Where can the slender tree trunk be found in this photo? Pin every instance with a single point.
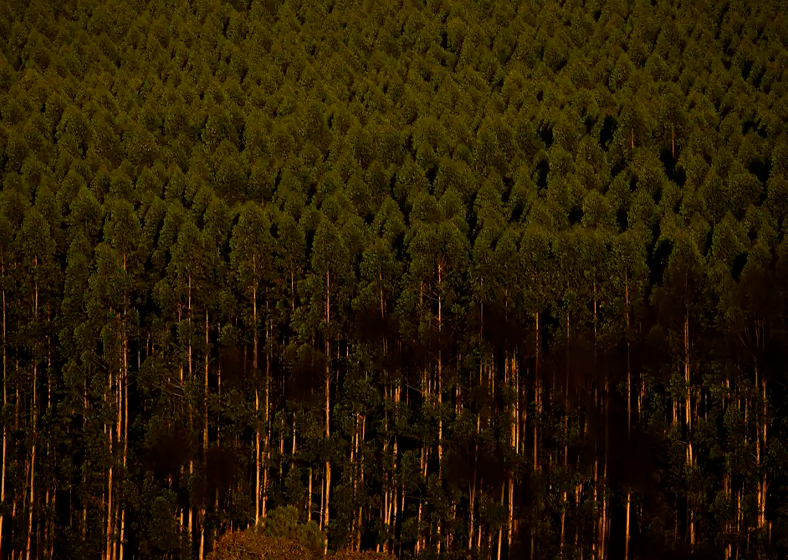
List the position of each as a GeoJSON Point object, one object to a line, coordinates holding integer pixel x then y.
{"type": "Point", "coordinates": [763, 484]}
{"type": "Point", "coordinates": [268, 423]}
{"type": "Point", "coordinates": [5, 402]}
{"type": "Point", "coordinates": [325, 515]}
{"type": "Point", "coordinates": [397, 392]}
{"type": "Point", "coordinates": [255, 343]}
{"type": "Point", "coordinates": [500, 529]}
{"type": "Point", "coordinates": [629, 413]}
{"type": "Point", "coordinates": [191, 415]}
{"type": "Point", "coordinates": [257, 459]}
{"type": "Point", "coordinates": [359, 454]}
{"type": "Point", "coordinates": [564, 501]}
{"type": "Point", "coordinates": [34, 421]}
{"type": "Point", "coordinates": [309, 497]}
{"type": "Point", "coordinates": [513, 421]}
{"type": "Point", "coordinates": [472, 505]}
{"type": "Point", "coordinates": [123, 412]}
{"type": "Point", "coordinates": [205, 429]}
{"type": "Point", "coordinates": [439, 390]}
{"type": "Point", "coordinates": [32, 502]}
{"type": "Point", "coordinates": [537, 419]}
{"type": "Point", "coordinates": [604, 523]}
{"type": "Point", "coordinates": [688, 417]}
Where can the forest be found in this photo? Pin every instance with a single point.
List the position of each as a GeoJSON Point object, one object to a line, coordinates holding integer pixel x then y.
{"type": "Point", "coordinates": [434, 279]}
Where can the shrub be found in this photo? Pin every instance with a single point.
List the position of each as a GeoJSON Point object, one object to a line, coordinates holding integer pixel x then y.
{"type": "Point", "coordinates": [284, 522]}
{"type": "Point", "coordinates": [253, 545]}
{"type": "Point", "coordinates": [349, 555]}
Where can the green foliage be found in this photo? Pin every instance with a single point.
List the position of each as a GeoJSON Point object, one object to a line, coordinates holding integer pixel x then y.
{"type": "Point", "coordinates": [284, 523]}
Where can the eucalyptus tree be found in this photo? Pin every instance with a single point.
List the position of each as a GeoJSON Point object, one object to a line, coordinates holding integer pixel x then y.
{"type": "Point", "coordinates": [38, 290]}
{"type": "Point", "coordinates": [328, 283]}
{"type": "Point", "coordinates": [380, 274]}
{"type": "Point", "coordinates": [251, 258]}
{"type": "Point", "coordinates": [438, 250]}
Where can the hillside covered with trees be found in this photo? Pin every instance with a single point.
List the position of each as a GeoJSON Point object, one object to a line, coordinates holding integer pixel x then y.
{"type": "Point", "coordinates": [502, 279]}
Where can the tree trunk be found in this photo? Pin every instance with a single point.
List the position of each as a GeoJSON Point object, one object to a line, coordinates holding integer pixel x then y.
{"type": "Point", "coordinates": [34, 421]}
{"type": "Point", "coordinates": [32, 468]}
{"type": "Point", "coordinates": [267, 442]}
{"type": "Point", "coordinates": [537, 418]}
{"type": "Point", "coordinates": [205, 428]}
{"type": "Point", "coordinates": [309, 497]}
{"type": "Point", "coordinates": [255, 344]}
{"type": "Point", "coordinates": [395, 456]}
{"type": "Point", "coordinates": [123, 413]}
{"type": "Point", "coordinates": [688, 419]}
{"type": "Point", "coordinates": [629, 413]}
{"type": "Point", "coordinates": [763, 485]}
{"type": "Point", "coordinates": [325, 514]}
{"type": "Point", "coordinates": [513, 421]}
{"type": "Point", "coordinates": [5, 402]}
{"type": "Point", "coordinates": [439, 390]}
{"type": "Point", "coordinates": [191, 377]}
{"type": "Point", "coordinates": [500, 529]}
{"type": "Point", "coordinates": [472, 505]}
{"type": "Point", "coordinates": [604, 523]}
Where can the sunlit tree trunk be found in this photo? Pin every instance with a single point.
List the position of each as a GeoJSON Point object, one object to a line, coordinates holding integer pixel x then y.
{"type": "Point", "coordinates": [31, 504]}
{"type": "Point", "coordinates": [309, 496]}
{"type": "Point", "coordinates": [191, 377]}
{"type": "Point", "coordinates": [257, 459]}
{"type": "Point", "coordinates": [439, 389]}
{"type": "Point", "coordinates": [5, 402]}
{"type": "Point", "coordinates": [537, 418]}
{"type": "Point", "coordinates": [564, 502]}
{"type": "Point", "coordinates": [268, 423]}
{"type": "Point", "coordinates": [325, 514]}
{"type": "Point", "coordinates": [500, 529]}
{"type": "Point", "coordinates": [513, 433]}
{"type": "Point", "coordinates": [205, 428]}
{"type": "Point", "coordinates": [395, 450]}
{"type": "Point", "coordinates": [629, 414]}
{"type": "Point", "coordinates": [123, 412]}
{"type": "Point", "coordinates": [688, 419]}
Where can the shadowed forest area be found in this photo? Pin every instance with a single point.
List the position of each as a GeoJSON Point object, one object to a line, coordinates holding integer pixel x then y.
{"type": "Point", "coordinates": [439, 279]}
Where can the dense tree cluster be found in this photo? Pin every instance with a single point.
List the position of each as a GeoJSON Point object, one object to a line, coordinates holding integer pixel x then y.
{"type": "Point", "coordinates": [496, 278]}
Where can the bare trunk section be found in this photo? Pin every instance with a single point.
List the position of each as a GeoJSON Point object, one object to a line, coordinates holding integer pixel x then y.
{"type": "Point", "coordinates": [267, 441]}
{"type": "Point", "coordinates": [564, 501]}
{"type": "Point", "coordinates": [205, 429]}
{"type": "Point", "coordinates": [325, 514]}
{"type": "Point", "coordinates": [191, 377]}
{"type": "Point", "coordinates": [537, 418]}
{"type": "Point", "coordinates": [439, 389]}
{"type": "Point", "coordinates": [688, 419]}
{"type": "Point", "coordinates": [34, 420]}
{"type": "Point", "coordinates": [123, 413]}
{"type": "Point", "coordinates": [309, 497]}
{"type": "Point", "coordinates": [500, 530]}
{"type": "Point", "coordinates": [395, 451]}
{"type": "Point", "coordinates": [514, 423]}
{"type": "Point", "coordinates": [5, 402]}
{"type": "Point", "coordinates": [32, 502]}
{"type": "Point", "coordinates": [629, 413]}
{"type": "Point", "coordinates": [255, 344]}
{"type": "Point", "coordinates": [763, 484]}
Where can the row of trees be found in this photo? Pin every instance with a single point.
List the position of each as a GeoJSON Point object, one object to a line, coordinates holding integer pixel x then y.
{"type": "Point", "coordinates": [504, 279]}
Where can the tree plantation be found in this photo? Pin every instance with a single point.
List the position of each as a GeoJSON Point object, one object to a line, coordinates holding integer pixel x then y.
{"type": "Point", "coordinates": [489, 279]}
